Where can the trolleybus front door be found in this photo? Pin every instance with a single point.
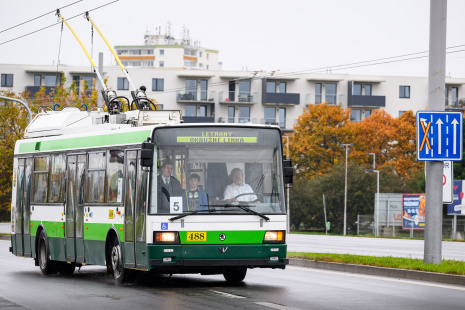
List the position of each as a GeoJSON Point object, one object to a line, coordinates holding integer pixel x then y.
{"type": "Point", "coordinates": [23, 208]}
{"type": "Point", "coordinates": [75, 209]}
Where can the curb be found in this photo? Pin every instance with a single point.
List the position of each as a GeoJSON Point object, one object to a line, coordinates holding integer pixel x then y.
{"type": "Point", "coordinates": [382, 271]}
{"type": "Point", "coordinates": [5, 237]}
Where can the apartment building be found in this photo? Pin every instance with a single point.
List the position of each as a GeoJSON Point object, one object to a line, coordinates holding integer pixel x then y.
{"type": "Point", "coordinates": [246, 97]}
{"type": "Point", "coordinates": [165, 51]}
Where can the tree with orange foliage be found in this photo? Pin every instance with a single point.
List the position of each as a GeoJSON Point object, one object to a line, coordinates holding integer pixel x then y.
{"type": "Point", "coordinates": [315, 144]}
{"type": "Point", "coordinates": [391, 139]}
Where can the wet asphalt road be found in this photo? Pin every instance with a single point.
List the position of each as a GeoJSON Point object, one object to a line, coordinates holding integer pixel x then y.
{"type": "Point", "coordinates": [22, 286]}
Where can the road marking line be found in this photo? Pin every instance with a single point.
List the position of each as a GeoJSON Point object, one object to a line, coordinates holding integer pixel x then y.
{"type": "Point", "coordinates": [274, 306]}
{"type": "Point", "coordinates": [227, 294]}
{"type": "Point", "coordinates": [419, 282]}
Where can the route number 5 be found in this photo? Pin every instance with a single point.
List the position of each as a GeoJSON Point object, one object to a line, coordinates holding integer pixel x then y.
{"type": "Point", "coordinates": [176, 205]}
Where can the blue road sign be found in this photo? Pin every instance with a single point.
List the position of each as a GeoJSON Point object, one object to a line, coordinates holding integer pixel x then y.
{"type": "Point", "coordinates": [439, 135]}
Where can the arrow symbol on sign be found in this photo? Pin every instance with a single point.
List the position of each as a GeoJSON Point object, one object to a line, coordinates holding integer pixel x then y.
{"type": "Point", "coordinates": [439, 123]}
{"type": "Point", "coordinates": [455, 123]}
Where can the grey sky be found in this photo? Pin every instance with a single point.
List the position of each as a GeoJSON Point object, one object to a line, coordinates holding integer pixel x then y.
{"type": "Point", "coordinates": [264, 35]}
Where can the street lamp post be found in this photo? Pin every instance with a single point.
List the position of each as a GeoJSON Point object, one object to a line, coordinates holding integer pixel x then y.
{"type": "Point", "coordinates": [346, 145]}
{"type": "Point", "coordinates": [374, 159]}
{"type": "Point", "coordinates": [377, 201]}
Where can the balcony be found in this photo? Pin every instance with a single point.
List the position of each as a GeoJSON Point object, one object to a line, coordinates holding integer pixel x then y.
{"type": "Point", "coordinates": [198, 119]}
{"type": "Point", "coordinates": [35, 89]}
{"type": "Point", "coordinates": [329, 99]}
{"type": "Point", "coordinates": [193, 96]}
{"type": "Point", "coordinates": [366, 101]}
{"type": "Point", "coordinates": [281, 99]}
{"type": "Point", "coordinates": [232, 97]}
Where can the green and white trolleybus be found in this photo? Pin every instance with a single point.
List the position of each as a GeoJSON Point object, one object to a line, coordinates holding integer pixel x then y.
{"type": "Point", "coordinates": [86, 191]}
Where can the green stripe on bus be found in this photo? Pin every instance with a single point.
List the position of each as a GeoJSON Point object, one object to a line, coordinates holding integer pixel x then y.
{"type": "Point", "coordinates": [93, 231]}
{"type": "Point", "coordinates": [229, 237]}
{"type": "Point", "coordinates": [83, 142]}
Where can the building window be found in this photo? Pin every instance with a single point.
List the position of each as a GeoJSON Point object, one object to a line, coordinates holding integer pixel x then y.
{"type": "Point", "coordinates": [7, 80]}
{"type": "Point", "coordinates": [355, 115]}
{"type": "Point", "coordinates": [123, 83]}
{"type": "Point", "coordinates": [270, 116]}
{"type": "Point", "coordinates": [244, 91]}
{"type": "Point", "coordinates": [203, 110]}
{"type": "Point", "coordinates": [162, 52]}
{"type": "Point", "coordinates": [244, 114]}
{"type": "Point", "coordinates": [161, 64]}
{"type": "Point", "coordinates": [330, 93]}
{"type": "Point", "coordinates": [158, 84]}
{"type": "Point", "coordinates": [401, 112]}
{"type": "Point", "coordinates": [367, 89]}
{"type": "Point", "coordinates": [191, 90]}
{"type": "Point", "coordinates": [282, 87]}
{"type": "Point", "coordinates": [318, 88]}
{"type": "Point", "coordinates": [50, 80]}
{"type": "Point", "coordinates": [231, 114]}
{"type": "Point", "coordinates": [37, 80]}
{"type": "Point", "coordinates": [282, 117]}
{"type": "Point", "coordinates": [270, 87]}
{"type": "Point", "coordinates": [136, 63]}
{"type": "Point", "coordinates": [455, 96]}
{"type": "Point", "coordinates": [404, 91]}
{"type": "Point", "coordinates": [208, 67]}
{"type": "Point", "coordinates": [191, 110]}
{"type": "Point", "coordinates": [203, 89]}
{"type": "Point", "coordinates": [367, 113]}
{"type": "Point", "coordinates": [200, 54]}
{"type": "Point", "coordinates": [357, 89]}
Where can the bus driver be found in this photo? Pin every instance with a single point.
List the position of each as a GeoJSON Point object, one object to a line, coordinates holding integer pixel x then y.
{"type": "Point", "coordinates": [238, 187]}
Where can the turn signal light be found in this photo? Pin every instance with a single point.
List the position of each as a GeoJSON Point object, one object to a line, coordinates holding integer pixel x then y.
{"type": "Point", "coordinates": [273, 236]}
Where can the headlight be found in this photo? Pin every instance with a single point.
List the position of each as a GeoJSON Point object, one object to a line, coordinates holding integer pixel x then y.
{"type": "Point", "coordinates": [165, 237]}
{"type": "Point", "coordinates": [273, 236]}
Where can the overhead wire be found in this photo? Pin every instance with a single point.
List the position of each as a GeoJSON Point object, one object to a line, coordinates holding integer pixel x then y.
{"type": "Point", "coordinates": [25, 35]}
{"type": "Point", "coordinates": [30, 20]}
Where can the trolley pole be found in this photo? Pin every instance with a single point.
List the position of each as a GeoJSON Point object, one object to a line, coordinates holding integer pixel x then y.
{"type": "Point", "coordinates": [434, 169]}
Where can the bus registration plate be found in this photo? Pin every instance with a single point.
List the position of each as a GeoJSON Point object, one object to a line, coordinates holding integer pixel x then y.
{"type": "Point", "coordinates": [195, 236]}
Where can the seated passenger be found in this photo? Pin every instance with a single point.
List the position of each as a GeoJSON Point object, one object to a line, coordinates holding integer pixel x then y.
{"type": "Point", "coordinates": [237, 187]}
{"type": "Point", "coordinates": [194, 198]}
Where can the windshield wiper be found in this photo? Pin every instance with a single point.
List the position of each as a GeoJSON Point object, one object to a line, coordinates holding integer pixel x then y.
{"type": "Point", "coordinates": [247, 209]}
{"type": "Point", "coordinates": [186, 214]}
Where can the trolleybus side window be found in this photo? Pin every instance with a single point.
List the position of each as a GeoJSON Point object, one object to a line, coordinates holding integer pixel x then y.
{"type": "Point", "coordinates": [57, 178]}
{"type": "Point", "coordinates": [41, 167]}
{"type": "Point", "coordinates": [115, 176]}
{"type": "Point", "coordinates": [95, 192]}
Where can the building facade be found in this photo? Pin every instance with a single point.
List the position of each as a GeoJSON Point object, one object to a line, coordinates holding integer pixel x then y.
{"type": "Point", "coordinates": [246, 97]}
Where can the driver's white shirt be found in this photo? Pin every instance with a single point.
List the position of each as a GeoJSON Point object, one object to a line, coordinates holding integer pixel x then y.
{"type": "Point", "coordinates": [232, 190]}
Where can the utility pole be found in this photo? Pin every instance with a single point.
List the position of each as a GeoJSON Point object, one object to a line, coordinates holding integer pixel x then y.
{"type": "Point", "coordinates": [346, 145]}
{"type": "Point", "coordinates": [434, 169]}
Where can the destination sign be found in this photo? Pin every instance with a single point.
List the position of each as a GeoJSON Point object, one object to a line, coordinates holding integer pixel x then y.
{"type": "Point", "coordinates": [216, 137]}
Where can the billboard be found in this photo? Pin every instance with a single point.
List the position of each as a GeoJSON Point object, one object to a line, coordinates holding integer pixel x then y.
{"type": "Point", "coordinates": [457, 207]}
{"type": "Point", "coordinates": [390, 209]}
{"type": "Point", "coordinates": [413, 211]}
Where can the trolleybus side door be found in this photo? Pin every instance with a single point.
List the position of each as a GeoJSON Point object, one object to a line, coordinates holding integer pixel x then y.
{"type": "Point", "coordinates": [27, 207]}
{"type": "Point", "coordinates": [74, 208]}
{"type": "Point", "coordinates": [129, 209]}
{"type": "Point", "coordinates": [19, 208]}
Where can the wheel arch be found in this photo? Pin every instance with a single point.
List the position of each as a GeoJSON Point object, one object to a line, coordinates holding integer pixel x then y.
{"type": "Point", "coordinates": [112, 234]}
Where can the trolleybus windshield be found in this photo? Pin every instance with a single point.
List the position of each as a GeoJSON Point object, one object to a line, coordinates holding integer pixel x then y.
{"type": "Point", "coordinates": [213, 169]}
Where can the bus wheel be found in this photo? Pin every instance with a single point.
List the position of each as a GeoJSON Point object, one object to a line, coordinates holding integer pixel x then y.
{"type": "Point", "coordinates": [117, 262]}
{"type": "Point", "coordinates": [235, 274]}
{"type": "Point", "coordinates": [66, 269]}
{"type": "Point", "coordinates": [45, 264]}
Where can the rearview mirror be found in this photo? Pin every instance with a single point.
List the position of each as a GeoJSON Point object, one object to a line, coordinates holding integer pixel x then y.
{"type": "Point", "coordinates": [288, 171]}
{"type": "Point", "coordinates": [146, 154]}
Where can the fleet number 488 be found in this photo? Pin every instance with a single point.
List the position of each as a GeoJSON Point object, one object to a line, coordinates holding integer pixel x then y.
{"type": "Point", "coordinates": [196, 236]}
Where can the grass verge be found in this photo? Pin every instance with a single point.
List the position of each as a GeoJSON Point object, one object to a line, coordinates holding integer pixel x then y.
{"type": "Point", "coordinates": [447, 266]}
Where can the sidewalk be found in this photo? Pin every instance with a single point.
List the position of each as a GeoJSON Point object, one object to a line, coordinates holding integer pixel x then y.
{"type": "Point", "coordinates": [381, 271]}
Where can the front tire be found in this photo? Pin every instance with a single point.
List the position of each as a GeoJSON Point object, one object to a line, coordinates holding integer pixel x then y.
{"type": "Point", "coordinates": [46, 265]}
{"type": "Point", "coordinates": [235, 275]}
{"type": "Point", "coordinates": [116, 259]}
